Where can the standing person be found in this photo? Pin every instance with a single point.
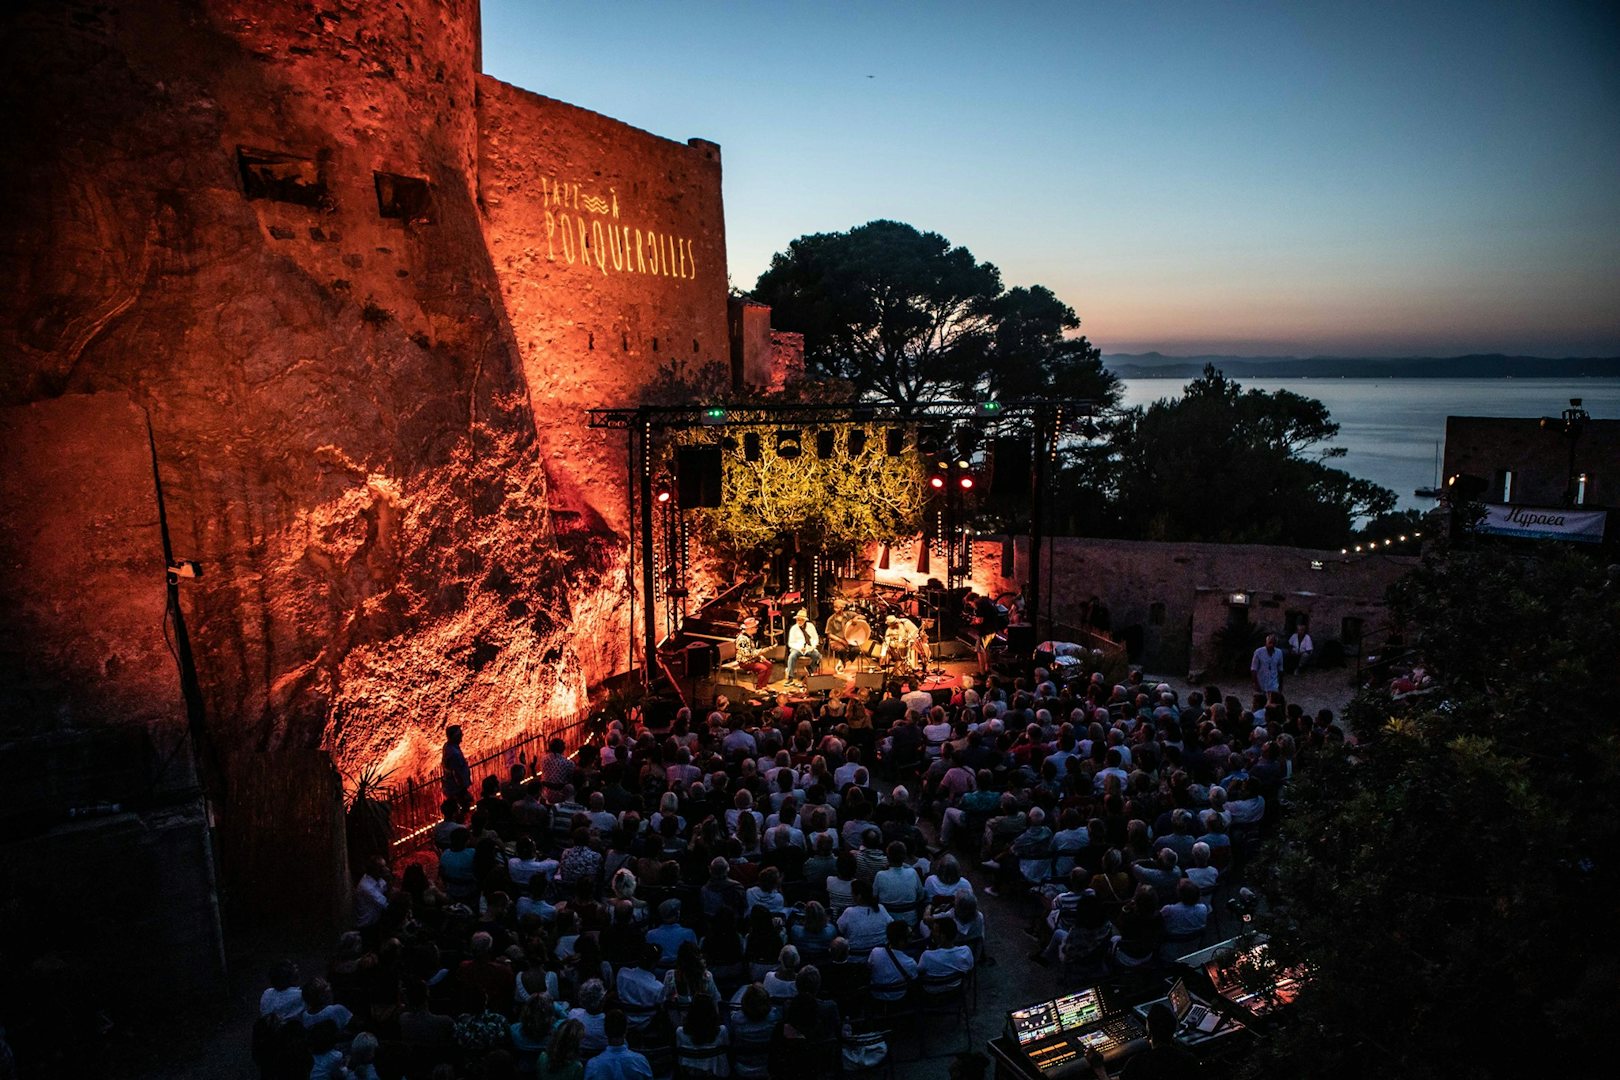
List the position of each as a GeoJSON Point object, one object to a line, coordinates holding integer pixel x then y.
{"type": "Point", "coordinates": [457, 773]}
{"type": "Point", "coordinates": [1266, 666]}
{"type": "Point", "coordinates": [804, 644]}
{"type": "Point", "coordinates": [749, 657]}
{"type": "Point", "coordinates": [1300, 647]}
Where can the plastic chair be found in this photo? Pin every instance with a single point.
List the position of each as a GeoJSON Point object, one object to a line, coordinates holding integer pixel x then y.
{"type": "Point", "coordinates": [945, 997]}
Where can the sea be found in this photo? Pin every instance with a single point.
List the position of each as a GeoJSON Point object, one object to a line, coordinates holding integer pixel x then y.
{"type": "Point", "coordinates": [1392, 429]}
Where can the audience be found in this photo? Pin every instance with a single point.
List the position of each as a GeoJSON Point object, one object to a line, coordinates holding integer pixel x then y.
{"type": "Point", "coordinates": [728, 894]}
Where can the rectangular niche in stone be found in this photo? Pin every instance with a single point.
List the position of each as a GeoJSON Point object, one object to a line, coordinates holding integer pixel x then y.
{"type": "Point", "coordinates": [279, 177]}
{"type": "Point", "coordinates": [405, 198]}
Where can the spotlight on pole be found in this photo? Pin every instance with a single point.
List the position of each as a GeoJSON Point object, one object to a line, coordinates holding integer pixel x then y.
{"type": "Point", "coordinates": [788, 445]}
{"type": "Point", "coordinates": [967, 483]}
{"type": "Point", "coordinates": [661, 491]}
{"type": "Point", "coordinates": [714, 414]}
{"type": "Point", "coordinates": [936, 482]}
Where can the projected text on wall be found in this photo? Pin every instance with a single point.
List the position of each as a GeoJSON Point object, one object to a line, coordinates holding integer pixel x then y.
{"type": "Point", "coordinates": [584, 229]}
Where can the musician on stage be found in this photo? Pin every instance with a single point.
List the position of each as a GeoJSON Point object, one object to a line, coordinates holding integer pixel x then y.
{"type": "Point", "coordinates": [899, 638]}
{"type": "Point", "coordinates": [749, 657]}
{"type": "Point", "coordinates": [989, 620]}
{"type": "Point", "coordinates": [842, 651]}
{"type": "Point", "coordinates": [804, 644]}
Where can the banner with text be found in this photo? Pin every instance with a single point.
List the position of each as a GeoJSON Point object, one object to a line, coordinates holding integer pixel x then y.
{"type": "Point", "coordinates": [1544, 523]}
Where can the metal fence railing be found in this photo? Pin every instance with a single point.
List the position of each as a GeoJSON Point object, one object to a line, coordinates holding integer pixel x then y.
{"type": "Point", "coordinates": [414, 806]}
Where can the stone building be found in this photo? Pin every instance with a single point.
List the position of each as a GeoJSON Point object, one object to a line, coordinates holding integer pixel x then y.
{"type": "Point", "coordinates": [300, 275]}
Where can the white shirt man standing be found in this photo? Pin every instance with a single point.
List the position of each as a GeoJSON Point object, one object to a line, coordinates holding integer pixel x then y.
{"type": "Point", "coordinates": [1266, 666]}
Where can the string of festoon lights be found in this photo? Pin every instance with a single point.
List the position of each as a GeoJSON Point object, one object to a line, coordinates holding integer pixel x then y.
{"type": "Point", "coordinates": [1379, 545]}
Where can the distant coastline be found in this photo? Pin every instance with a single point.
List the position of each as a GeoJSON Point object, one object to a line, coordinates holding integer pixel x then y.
{"type": "Point", "coordinates": [1479, 366]}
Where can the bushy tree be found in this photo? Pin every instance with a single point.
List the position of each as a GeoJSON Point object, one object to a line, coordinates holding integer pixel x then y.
{"type": "Point", "coordinates": [1223, 464]}
{"type": "Point", "coordinates": [1451, 880]}
{"type": "Point", "coordinates": [902, 315]}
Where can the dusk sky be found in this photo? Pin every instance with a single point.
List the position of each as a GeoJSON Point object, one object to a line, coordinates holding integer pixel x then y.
{"type": "Point", "coordinates": [1291, 178]}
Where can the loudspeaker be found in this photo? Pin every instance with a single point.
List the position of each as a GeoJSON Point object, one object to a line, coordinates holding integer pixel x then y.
{"type": "Point", "coordinates": [870, 680]}
{"type": "Point", "coordinates": [825, 440]}
{"type": "Point", "coordinates": [1020, 639]}
{"type": "Point", "coordinates": [1014, 455]}
{"type": "Point", "coordinates": [697, 475]}
{"type": "Point", "coordinates": [734, 691]}
{"type": "Point", "coordinates": [699, 660]}
{"type": "Point", "coordinates": [894, 441]}
{"type": "Point", "coordinates": [821, 683]}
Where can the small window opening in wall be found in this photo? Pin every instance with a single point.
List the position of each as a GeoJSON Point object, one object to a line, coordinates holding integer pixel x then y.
{"type": "Point", "coordinates": [624, 342]}
{"type": "Point", "coordinates": [405, 198]}
{"type": "Point", "coordinates": [288, 178]}
{"type": "Point", "coordinates": [655, 344]}
{"type": "Point", "coordinates": [694, 345]}
{"type": "Point", "coordinates": [1504, 484]}
{"type": "Point", "coordinates": [1582, 482]}
{"type": "Point", "coordinates": [590, 342]}
{"type": "Point", "coordinates": [1156, 614]}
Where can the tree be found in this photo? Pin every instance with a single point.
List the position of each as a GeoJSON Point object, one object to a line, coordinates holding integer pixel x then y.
{"type": "Point", "coordinates": [1224, 464]}
{"type": "Point", "coordinates": [1450, 880]}
{"type": "Point", "coordinates": [902, 315]}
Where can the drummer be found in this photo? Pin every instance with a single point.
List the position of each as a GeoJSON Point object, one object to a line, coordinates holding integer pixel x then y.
{"type": "Point", "coordinates": [899, 638]}
{"type": "Point", "coordinates": [839, 639]}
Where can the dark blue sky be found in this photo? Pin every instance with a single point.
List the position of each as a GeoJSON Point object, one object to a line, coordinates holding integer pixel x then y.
{"type": "Point", "coordinates": [1352, 178]}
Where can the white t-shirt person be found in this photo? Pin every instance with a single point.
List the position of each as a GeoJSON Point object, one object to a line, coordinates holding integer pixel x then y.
{"type": "Point", "coordinates": [1301, 645]}
{"type": "Point", "coordinates": [1266, 665]}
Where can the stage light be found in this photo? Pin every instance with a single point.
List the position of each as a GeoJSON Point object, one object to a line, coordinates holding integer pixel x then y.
{"type": "Point", "coordinates": [715, 414]}
{"type": "Point", "coordinates": [942, 464]}
{"type": "Point", "coordinates": [989, 408]}
{"type": "Point", "coordinates": [751, 447]}
{"type": "Point", "coordinates": [962, 465]}
{"type": "Point", "coordinates": [1403, 539]}
{"type": "Point", "coordinates": [826, 444]}
{"type": "Point", "coordinates": [936, 482]}
{"type": "Point", "coordinates": [857, 442]}
{"type": "Point", "coordinates": [895, 441]}
{"type": "Point", "coordinates": [787, 444]}
{"type": "Point", "coordinates": [661, 491]}
{"type": "Point", "coordinates": [967, 483]}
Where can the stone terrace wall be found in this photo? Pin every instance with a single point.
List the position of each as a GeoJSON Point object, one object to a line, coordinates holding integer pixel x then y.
{"type": "Point", "coordinates": [1131, 576]}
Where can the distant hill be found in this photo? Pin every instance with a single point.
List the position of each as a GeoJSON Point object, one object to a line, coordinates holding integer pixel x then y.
{"type": "Point", "coordinates": [1153, 365]}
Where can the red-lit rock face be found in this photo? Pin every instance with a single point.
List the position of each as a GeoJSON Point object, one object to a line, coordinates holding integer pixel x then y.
{"type": "Point", "coordinates": [346, 405]}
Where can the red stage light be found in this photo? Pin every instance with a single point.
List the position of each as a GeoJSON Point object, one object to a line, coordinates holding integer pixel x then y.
{"type": "Point", "coordinates": [936, 482]}
{"type": "Point", "coordinates": [663, 495]}
{"type": "Point", "coordinates": [967, 483]}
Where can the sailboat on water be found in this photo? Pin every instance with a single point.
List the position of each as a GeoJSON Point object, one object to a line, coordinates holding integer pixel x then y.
{"type": "Point", "coordinates": [1432, 492]}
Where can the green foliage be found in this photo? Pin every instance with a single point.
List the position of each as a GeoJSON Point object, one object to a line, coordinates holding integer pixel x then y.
{"type": "Point", "coordinates": [838, 504]}
{"type": "Point", "coordinates": [900, 314]}
{"type": "Point", "coordinates": [1451, 878]}
{"type": "Point", "coordinates": [1224, 464]}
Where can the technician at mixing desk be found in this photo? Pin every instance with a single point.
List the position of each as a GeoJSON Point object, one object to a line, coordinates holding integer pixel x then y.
{"type": "Point", "coordinates": [1164, 1059]}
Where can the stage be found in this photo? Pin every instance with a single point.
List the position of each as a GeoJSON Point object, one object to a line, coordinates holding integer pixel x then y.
{"type": "Point", "coordinates": [942, 676]}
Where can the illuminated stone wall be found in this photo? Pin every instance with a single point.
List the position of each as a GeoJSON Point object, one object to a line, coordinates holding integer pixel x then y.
{"type": "Point", "coordinates": [371, 427]}
{"type": "Point", "coordinates": [609, 247]}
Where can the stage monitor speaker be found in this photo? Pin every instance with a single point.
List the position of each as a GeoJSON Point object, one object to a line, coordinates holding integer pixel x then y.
{"type": "Point", "coordinates": [734, 691]}
{"type": "Point", "coordinates": [870, 680]}
{"type": "Point", "coordinates": [822, 683]}
{"type": "Point", "coordinates": [697, 476]}
{"type": "Point", "coordinates": [699, 660]}
{"type": "Point", "coordinates": [1014, 456]}
{"type": "Point", "coordinates": [1020, 639]}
